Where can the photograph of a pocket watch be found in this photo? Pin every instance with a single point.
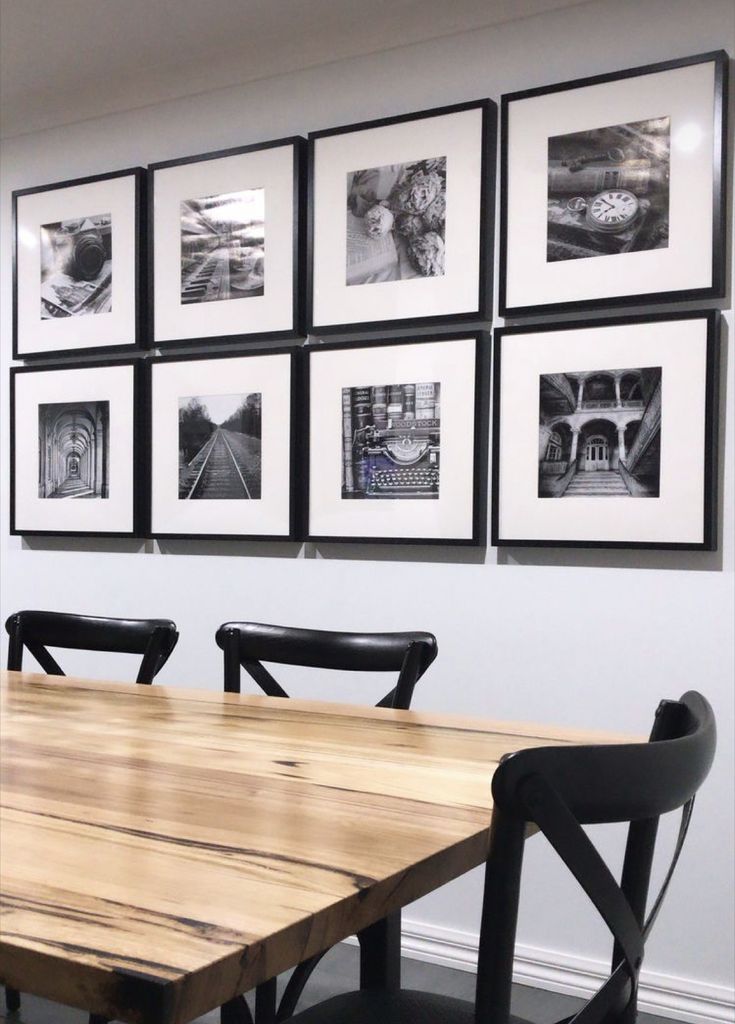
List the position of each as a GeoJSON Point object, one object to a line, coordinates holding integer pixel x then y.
{"type": "Point", "coordinates": [612, 210]}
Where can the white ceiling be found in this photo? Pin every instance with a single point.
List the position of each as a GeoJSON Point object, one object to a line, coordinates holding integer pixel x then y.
{"type": "Point", "coordinates": [69, 60]}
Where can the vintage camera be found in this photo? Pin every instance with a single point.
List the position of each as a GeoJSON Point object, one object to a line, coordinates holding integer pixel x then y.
{"type": "Point", "coordinates": [83, 247]}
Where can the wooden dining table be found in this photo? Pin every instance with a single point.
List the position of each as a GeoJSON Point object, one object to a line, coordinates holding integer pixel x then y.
{"type": "Point", "coordinates": [163, 850]}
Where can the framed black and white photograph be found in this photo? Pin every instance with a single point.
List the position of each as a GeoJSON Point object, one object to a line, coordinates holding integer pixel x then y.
{"type": "Point", "coordinates": [225, 244]}
{"type": "Point", "coordinates": [397, 437]}
{"type": "Point", "coordinates": [613, 189]}
{"type": "Point", "coordinates": [401, 218]}
{"type": "Point", "coordinates": [604, 433]}
{"type": "Point", "coordinates": [79, 265]}
{"type": "Point", "coordinates": [222, 437]}
{"type": "Point", "coordinates": [74, 442]}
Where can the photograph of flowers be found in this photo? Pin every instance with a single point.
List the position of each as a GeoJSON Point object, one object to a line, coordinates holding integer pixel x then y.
{"type": "Point", "coordinates": [411, 241]}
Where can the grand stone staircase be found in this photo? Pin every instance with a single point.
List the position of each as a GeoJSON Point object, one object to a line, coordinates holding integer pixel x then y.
{"type": "Point", "coordinates": [600, 483]}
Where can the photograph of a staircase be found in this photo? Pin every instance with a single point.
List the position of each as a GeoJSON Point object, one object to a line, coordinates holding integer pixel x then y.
{"type": "Point", "coordinates": [600, 433]}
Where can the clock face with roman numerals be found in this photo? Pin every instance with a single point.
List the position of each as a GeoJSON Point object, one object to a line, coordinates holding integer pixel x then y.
{"type": "Point", "coordinates": [612, 210]}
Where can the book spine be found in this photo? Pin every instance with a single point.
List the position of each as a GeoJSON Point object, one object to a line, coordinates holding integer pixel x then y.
{"type": "Point", "coordinates": [395, 402]}
{"type": "Point", "coordinates": [425, 401]}
{"type": "Point", "coordinates": [409, 401]}
{"type": "Point", "coordinates": [348, 480]}
{"type": "Point", "coordinates": [361, 408]}
{"type": "Point", "coordinates": [379, 397]}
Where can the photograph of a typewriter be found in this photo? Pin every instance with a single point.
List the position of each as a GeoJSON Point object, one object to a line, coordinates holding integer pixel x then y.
{"type": "Point", "coordinates": [391, 441]}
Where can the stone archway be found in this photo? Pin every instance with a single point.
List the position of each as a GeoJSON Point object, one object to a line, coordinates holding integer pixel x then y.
{"type": "Point", "coordinates": [555, 457]}
{"type": "Point", "coordinates": [597, 446]}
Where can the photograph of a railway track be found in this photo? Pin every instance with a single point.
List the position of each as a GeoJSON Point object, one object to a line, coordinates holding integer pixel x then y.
{"type": "Point", "coordinates": [220, 446]}
{"type": "Point", "coordinates": [223, 247]}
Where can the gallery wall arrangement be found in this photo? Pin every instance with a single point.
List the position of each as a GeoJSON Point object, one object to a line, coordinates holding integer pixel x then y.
{"type": "Point", "coordinates": [612, 194]}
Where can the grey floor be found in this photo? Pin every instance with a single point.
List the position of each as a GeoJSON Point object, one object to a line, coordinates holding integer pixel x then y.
{"type": "Point", "coordinates": [338, 972]}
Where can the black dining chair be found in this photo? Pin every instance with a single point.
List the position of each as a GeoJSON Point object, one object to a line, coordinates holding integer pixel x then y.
{"type": "Point", "coordinates": [246, 645]}
{"type": "Point", "coordinates": [560, 789]}
{"type": "Point", "coordinates": [35, 631]}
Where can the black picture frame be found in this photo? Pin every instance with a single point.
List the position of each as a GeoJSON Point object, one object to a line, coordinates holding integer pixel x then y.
{"type": "Point", "coordinates": [481, 310]}
{"type": "Point", "coordinates": [479, 393]}
{"type": "Point", "coordinates": [138, 259]}
{"type": "Point", "coordinates": [136, 499]}
{"type": "Point", "coordinates": [510, 304]}
{"type": "Point", "coordinates": [295, 328]}
{"type": "Point", "coordinates": [198, 359]}
{"type": "Point", "coordinates": [709, 368]}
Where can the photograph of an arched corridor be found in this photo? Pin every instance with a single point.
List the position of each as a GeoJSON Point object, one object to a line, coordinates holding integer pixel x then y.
{"type": "Point", "coordinates": [73, 450]}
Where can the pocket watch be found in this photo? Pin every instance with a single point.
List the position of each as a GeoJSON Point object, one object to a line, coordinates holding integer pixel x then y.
{"type": "Point", "coordinates": [613, 209]}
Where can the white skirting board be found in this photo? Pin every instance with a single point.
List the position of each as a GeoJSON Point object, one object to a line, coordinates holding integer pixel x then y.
{"type": "Point", "coordinates": [677, 998]}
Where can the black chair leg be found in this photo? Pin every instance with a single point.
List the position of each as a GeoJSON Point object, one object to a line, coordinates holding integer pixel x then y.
{"type": "Point", "coordinates": [380, 954]}
{"type": "Point", "coordinates": [265, 1002]}
{"type": "Point", "coordinates": [236, 1011]}
{"type": "Point", "coordinates": [12, 1000]}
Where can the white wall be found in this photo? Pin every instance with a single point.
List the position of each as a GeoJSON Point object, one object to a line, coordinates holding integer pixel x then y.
{"type": "Point", "coordinates": [579, 637]}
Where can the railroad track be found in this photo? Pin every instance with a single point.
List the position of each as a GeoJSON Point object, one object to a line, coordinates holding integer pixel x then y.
{"type": "Point", "coordinates": [210, 280]}
{"type": "Point", "coordinates": [219, 475]}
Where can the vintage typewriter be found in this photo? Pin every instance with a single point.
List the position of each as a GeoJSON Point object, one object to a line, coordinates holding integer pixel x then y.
{"type": "Point", "coordinates": [402, 460]}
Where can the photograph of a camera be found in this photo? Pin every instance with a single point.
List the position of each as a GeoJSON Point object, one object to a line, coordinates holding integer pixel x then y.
{"type": "Point", "coordinates": [76, 267]}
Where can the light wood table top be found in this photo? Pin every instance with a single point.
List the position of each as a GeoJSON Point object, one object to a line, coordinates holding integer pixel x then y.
{"type": "Point", "coordinates": [162, 850]}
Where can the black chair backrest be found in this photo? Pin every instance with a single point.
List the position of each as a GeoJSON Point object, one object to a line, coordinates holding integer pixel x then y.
{"type": "Point", "coordinates": [154, 639]}
{"type": "Point", "coordinates": [247, 644]}
{"type": "Point", "coordinates": [560, 789]}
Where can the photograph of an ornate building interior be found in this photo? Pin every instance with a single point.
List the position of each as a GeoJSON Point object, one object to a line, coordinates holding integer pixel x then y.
{"type": "Point", "coordinates": [74, 446]}
{"type": "Point", "coordinates": [600, 433]}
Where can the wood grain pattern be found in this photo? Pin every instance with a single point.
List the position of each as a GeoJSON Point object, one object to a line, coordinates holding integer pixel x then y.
{"type": "Point", "coordinates": [163, 850]}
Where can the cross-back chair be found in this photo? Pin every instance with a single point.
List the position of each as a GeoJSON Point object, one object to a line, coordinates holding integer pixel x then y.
{"type": "Point", "coordinates": [561, 789]}
{"type": "Point", "coordinates": [246, 645]}
{"type": "Point", "coordinates": [36, 631]}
